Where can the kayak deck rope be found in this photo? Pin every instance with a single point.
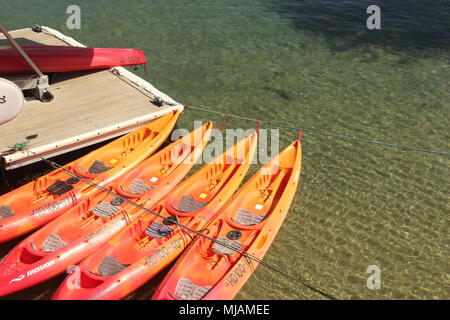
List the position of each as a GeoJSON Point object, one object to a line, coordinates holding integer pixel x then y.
{"type": "Point", "coordinates": [186, 228]}
{"type": "Point", "coordinates": [319, 132]}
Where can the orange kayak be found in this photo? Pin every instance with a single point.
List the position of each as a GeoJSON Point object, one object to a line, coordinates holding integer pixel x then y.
{"type": "Point", "coordinates": [151, 243]}
{"type": "Point", "coordinates": [40, 201]}
{"type": "Point", "coordinates": [85, 228]}
{"type": "Point", "coordinates": [212, 269]}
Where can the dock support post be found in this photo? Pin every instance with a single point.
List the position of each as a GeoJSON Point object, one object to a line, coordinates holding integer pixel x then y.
{"type": "Point", "coordinates": [4, 185]}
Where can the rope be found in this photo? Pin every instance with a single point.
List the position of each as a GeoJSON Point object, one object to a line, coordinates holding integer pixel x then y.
{"type": "Point", "coordinates": [314, 131]}
{"type": "Point", "coordinates": [199, 233]}
{"type": "Point", "coordinates": [224, 121]}
{"type": "Point", "coordinates": [17, 147]}
{"type": "Point", "coordinates": [184, 110]}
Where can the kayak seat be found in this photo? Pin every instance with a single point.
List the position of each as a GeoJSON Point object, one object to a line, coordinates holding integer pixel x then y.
{"type": "Point", "coordinates": [138, 186]}
{"type": "Point", "coordinates": [158, 230]}
{"type": "Point", "coordinates": [225, 246]}
{"type": "Point", "coordinates": [186, 290]}
{"type": "Point", "coordinates": [246, 218]}
{"type": "Point", "coordinates": [6, 212]}
{"type": "Point", "coordinates": [105, 210]}
{"type": "Point", "coordinates": [188, 204]}
{"type": "Point", "coordinates": [59, 187]}
{"type": "Point", "coordinates": [53, 243]}
{"type": "Point", "coordinates": [110, 266]}
{"type": "Point", "coordinates": [98, 167]}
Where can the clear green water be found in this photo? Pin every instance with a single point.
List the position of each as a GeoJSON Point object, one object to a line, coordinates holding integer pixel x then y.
{"type": "Point", "coordinates": [311, 64]}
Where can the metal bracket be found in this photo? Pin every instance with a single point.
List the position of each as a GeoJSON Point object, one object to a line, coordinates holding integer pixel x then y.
{"type": "Point", "coordinates": [38, 83]}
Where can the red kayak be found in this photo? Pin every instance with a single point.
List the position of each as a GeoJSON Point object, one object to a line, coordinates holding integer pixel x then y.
{"type": "Point", "coordinates": [85, 228]}
{"type": "Point", "coordinates": [214, 267]}
{"type": "Point", "coordinates": [150, 243]}
{"type": "Point", "coordinates": [62, 58]}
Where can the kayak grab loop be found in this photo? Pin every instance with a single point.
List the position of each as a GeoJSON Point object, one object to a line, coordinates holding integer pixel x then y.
{"type": "Point", "coordinates": [300, 135]}
{"type": "Point", "coordinates": [224, 121]}
{"type": "Point", "coordinates": [184, 109]}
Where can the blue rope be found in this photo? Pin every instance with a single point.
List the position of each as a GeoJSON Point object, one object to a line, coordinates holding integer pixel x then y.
{"type": "Point", "coordinates": [287, 126]}
{"type": "Point", "coordinates": [19, 146]}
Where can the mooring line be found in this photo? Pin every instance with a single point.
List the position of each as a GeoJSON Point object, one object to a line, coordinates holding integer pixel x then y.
{"type": "Point", "coordinates": [199, 233]}
{"type": "Point", "coordinates": [324, 133]}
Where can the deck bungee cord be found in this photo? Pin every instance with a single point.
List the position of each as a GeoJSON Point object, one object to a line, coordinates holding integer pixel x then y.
{"type": "Point", "coordinates": [179, 225]}
{"type": "Point", "coordinates": [319, 132]}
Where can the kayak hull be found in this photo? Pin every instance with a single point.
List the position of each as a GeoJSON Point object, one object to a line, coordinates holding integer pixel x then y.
{"type": "Point", "coordinates": [217, 270]}
{"type": "Point", "coordinates": [64, 58]}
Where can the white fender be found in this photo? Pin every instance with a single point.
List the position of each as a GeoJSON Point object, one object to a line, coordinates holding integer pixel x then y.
{"type": "Point", "coordinates": [11, 100]}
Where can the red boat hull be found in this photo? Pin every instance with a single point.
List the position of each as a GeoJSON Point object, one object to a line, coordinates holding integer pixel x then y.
{"type": "Point", "coordinates": [35, 260]}
{"type": "Point", "coordinates": [62, 58]}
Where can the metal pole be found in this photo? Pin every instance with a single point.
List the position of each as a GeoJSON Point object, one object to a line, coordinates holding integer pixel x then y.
{"type": "Point", "coordinates": [20, 50]}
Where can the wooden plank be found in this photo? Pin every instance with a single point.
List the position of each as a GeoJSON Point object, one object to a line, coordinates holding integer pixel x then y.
{"type": "Point", "coordinates": [30, 38]}
{"type": "Point", "coordinates": [87, 103]}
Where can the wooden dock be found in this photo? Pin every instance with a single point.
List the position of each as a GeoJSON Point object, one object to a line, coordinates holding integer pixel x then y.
{"type": "Point", "coordinates": [89, 107]}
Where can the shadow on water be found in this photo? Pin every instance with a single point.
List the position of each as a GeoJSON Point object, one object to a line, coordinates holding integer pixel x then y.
{"type": "Point", "coordinates": [410, 26]}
